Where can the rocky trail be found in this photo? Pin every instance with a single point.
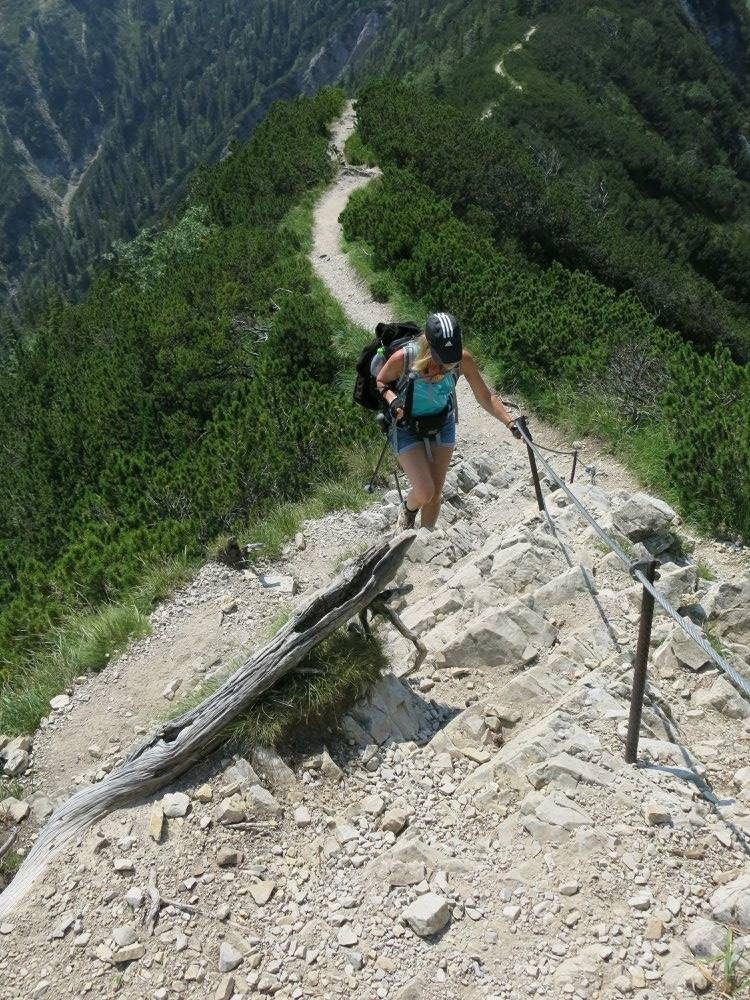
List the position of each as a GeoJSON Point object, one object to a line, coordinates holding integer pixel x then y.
{"type": "Point", "coordinates": [472, 830]}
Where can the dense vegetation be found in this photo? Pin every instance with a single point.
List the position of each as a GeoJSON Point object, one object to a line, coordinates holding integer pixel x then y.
{"type": "Point", "coordinates": [465, 220]}
{"type": "Point", "coordinates": [627, 141]}
{"type": "Point", "coordinates": [194, 386]}
{"type": "Point", "coordinates": [105, 109]}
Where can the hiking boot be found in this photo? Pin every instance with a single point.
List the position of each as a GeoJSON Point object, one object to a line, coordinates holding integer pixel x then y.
{"type": "Point", "coordinates": [406, 518]}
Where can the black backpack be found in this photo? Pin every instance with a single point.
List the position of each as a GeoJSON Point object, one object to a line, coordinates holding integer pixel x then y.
{"type": "Point", "coordinates": [391, 337]}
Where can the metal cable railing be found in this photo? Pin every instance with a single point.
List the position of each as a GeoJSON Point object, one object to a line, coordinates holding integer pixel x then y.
{"type": "Point", "coordinates": [634, 568]}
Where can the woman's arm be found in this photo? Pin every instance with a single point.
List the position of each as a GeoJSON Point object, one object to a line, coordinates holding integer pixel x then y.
{"type": "Point", "coordinates": [486, 399]}
{"type": "Point", "coordinates": [390, 372]}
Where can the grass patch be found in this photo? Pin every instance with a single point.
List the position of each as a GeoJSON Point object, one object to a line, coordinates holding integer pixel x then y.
{"type": "Point", "coordinates": [357, 153]}
{"type": "Point", "coordinates": [704, 571]}
{"type": "Point", "coordinates": [11, 788]}
{"type": "Point", "coordinates": [342, 492]}
{"type": "Point", "coordinates": [85, 642]}
{"type": "Point", "coordinates": [713, 638]}
{"type": "Point", "coordinates": [338, 672]}
{"type": "Point", "coordinates": [299, 219]}
{"type": "Point", "coordinates": [725, 974]}
{"type": "Point", "coordinates": [9, 865]}
{"type": "Point", "coordinates": [405, 306]}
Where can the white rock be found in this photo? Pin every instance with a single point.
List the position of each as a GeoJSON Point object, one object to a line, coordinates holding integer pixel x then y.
{"type": "Point", "coordinates": [229, 957]}
{"type": "Point", "coordinates": [175, 804]}
{"type": "Point", "coordinates": [59, 702]}
{"type": "Point", "coordinates": [428, 914]}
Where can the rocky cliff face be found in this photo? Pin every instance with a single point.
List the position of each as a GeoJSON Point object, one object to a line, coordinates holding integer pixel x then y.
{"type": "Point", "coordinates": [724, 31]}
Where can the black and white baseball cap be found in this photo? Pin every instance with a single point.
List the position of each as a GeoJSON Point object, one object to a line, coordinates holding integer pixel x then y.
{"type": "Point", "coordinates": [444, 337]}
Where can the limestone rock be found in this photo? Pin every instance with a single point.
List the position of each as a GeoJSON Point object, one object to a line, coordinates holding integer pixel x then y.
{"type": "Point", "coordinates": [16, 762]}
{"type": "Point", "coordinates": [231, 810]}
{"type": "Point", "coordinates": [722, 697]}
{"type": "Point", "coordinates": [275, 772]}
{"type": "Point", "coordinates": [156, 823]}
{"type": "Point", "coordinates": [175, 804]}
{"type": "Point", "coordinates": [428, 914]}
{"type": "Point", "coordinates": [262, 803]}
{"type": "Point", "coordinates": [730, 904]}
{"type": "Point", "coordinates": [229, 957]}
{"type": "Point", "coordinates": [656, 813]}
{"type": "Point", "coordinates": [640, 515]}
{"type": "Point", "coordinates": [705, 938]}
{"type": "Point", "coordinates": [16, 810]}
{"type": "Point", "coordinates": [59, 703]}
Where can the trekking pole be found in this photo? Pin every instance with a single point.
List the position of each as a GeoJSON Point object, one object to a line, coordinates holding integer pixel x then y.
{"type": "Point", "coordinates": [371, 485]}
{"type": "Point", "coordinates": [532, 461]}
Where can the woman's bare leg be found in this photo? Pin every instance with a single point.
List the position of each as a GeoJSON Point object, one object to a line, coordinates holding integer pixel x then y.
{"type": "Point", "coordinates": [441, 458]}
{"type": "Point", "coordinates": [419, 471]}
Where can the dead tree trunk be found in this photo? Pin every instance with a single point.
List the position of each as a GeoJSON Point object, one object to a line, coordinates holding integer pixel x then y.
{"type": "Point", "coordinates": [177, 745]}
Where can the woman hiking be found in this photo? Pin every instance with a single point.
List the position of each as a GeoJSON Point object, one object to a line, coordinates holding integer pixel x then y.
{"type": "Point", "coordinates": [423, 411]}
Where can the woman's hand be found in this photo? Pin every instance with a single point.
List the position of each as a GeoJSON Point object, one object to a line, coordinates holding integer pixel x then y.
{"type": "Point", "coordinates": [397, 410]}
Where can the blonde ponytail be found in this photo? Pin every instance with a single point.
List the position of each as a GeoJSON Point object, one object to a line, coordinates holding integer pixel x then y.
{"type": "Point", "coordinates": [423, 356]}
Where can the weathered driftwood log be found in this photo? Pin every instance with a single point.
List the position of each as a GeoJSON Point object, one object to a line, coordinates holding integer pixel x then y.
{"type": "Point", "coordinates": [177, 745]}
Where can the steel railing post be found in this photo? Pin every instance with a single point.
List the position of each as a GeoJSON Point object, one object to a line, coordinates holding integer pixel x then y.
{"type": "Point", "coordinates": [641, 663]}
{"type": "Point", "coordinates": [521, 421]}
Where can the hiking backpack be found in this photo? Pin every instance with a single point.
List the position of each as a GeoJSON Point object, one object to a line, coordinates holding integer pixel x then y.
{"type": "Point", "coordinates": [389, 338]}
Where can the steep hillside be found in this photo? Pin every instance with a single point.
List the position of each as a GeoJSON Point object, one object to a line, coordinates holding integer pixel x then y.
{"type": "Point", "coordinates": [104, 112]}
{"type": "Point", "coordinates": [635, 135]}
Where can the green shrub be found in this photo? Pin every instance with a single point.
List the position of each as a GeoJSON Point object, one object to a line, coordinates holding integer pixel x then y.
{"type": "Point", "coordinates": [381, 287]}
{"type": "Point", "coordinates": [357, 153]}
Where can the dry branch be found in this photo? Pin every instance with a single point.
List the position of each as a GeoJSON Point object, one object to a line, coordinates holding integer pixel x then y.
{"type": "Point", "coordinates": [178, 744]}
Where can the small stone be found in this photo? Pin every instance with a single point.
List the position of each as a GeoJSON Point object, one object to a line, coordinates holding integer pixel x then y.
{"type": "Point", "coordinates": [373, 805]}
{"type": "Point", "coordinates": [175, 804]}
{"type": "Point", "coordinates": [394, 820]}
{"type": "Point", "coordinates": [123, 866]}
{"type": "Point", "coordinates": [129, 954]}
{"type": "Point", "coordinates": [134, 898]}
{"type": "Point", "coordinates": [262, 891]}
{"type": "Point", "coordinates": [302, 816]}
{"type": "Point", "coordinates": [171, 689]}
{"type": "Point", "coordinates": [262, 802]}
{"type": "Point", "coordinates": [16, 810]}
{"type": "Point", "coordinates": [512, 913]}
{"type": "Point", "coordinates": [654, 929]}
{"type": "Point", "coordinates": [124, 936]}
{"type": "Point", "coordinates": [156, 823]}
{"type": "Point", "coordinates": [641, 901]}
{"type": "Point", "coordinates": [569, 888]}
{"type": "Point", "coordinates": [227, 857]}
{"type": "Point", "coordinates": [59, 702]}
{"type": "Point", "coordinates": [229, 957]}
{"type": "Point", "coordinates": [231, 810]}
{"type": "Point", "coordinates": [346, 936]}
{"type": "Point", "coordinates": [204, 794]}
{"type": "Point", "coordinates": [225, 989]}
{"type": "Point", "coordinates": [428, 914]}
{"type": "Point", "coordinates": [656, 813]}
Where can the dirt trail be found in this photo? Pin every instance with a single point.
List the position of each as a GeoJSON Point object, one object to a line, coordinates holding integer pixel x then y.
{"type": "Point", "coordinates": [516, 47]}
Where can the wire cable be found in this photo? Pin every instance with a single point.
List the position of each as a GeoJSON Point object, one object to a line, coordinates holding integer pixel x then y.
{"type": "Point", "coordinates": [740, 683]}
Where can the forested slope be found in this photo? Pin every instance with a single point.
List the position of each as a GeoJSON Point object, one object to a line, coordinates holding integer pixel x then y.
{"type": "Point", "coordinates": [192, 388]}
{"type": "Point", "coordinates": [629, 136]}
{"type": "Point", "coordinates": [106, 109]}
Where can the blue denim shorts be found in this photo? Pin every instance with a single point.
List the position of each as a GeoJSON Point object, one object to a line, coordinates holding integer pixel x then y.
{"type": "Point", "coordinates": [402, 439]}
